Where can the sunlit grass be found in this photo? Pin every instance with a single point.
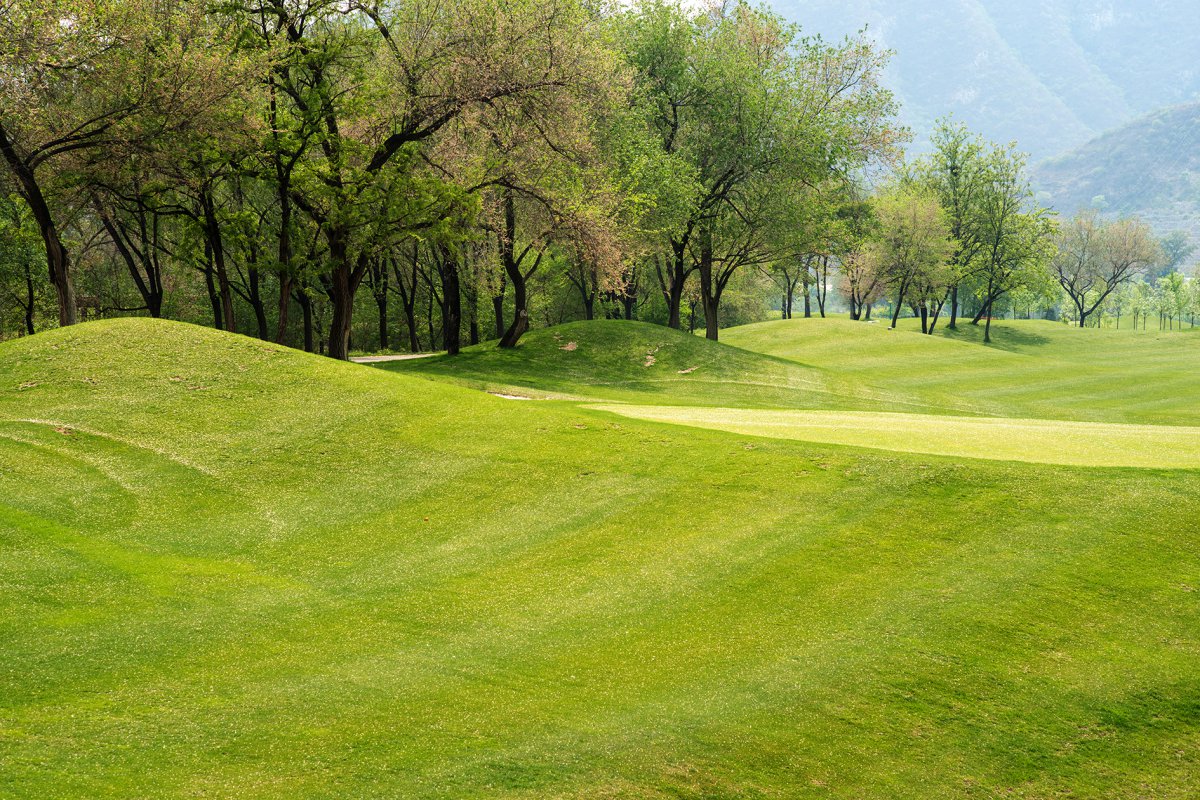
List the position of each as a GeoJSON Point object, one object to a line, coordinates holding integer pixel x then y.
{"type": "Point", "coordinates": [228, 569]}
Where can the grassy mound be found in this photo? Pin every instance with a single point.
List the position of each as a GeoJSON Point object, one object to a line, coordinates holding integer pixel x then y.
{"type": "Point", "coordinates": [233, 570]}
{"type": "Point", "coordinates": [638, 362]}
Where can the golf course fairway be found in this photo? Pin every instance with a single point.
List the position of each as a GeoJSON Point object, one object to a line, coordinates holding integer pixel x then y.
{"type": "Point", "coordinates": [230, 569]}
{"type": "Point", "coordinates": [1085, 444]}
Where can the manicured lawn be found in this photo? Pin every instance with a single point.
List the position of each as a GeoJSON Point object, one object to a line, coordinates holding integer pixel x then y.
{"type": "Point", "coordinates": [638, 362]}
{"type": "Point", "coordinates": [1088, 444]}
{"type": "Point", "coordinates": [232, 570]}
{"type": "Point", "coordinates": [1033, 368]}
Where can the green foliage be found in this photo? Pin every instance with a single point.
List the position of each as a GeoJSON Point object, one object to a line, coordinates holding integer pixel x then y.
{"type": "Point", "coordinates": [25, 297]}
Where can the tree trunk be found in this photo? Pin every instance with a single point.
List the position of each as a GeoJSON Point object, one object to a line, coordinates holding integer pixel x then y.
{"type": "Point", "coordinates": [285, 302]}
{"type": "Point", "coordinates": [953, 324]}
{"type": "Point", "coordinates": [342, 287]}
{"type": "Point", "coordinates": [149, 286]}
{"type": "Point", "coordinates": [408, 299]}
{"type": "Point", "coordinates": [498, 298]}
{"type": "Point", "coordinates": [823, 285]}
{"type": "Point", "coordinates": [520, 323]}
{"type": "Point", "coordinates": [709, 295]}
{"type": "Point", "coordinates": [936, 315]}
{"type": "Point", "coordinates": [677, 275]}
{"type": "Point", "coordinates": [521, 313]}
{"type": "Point", "coordinates": [807, 302]}
{"type": "Point", "coordinates": [899, 305]}
{"type": "Point", "coordinates": [29, 300]}
{"type": "Point", "coordinates": [518, 278]}
{"type": "Point", "coordinates": [211, 284]}
{"type": "Point", "coordinates": [498, 312]}
{"type": "Point", "coordinates": [254, 279]}
{"type": "Point", "coordinates": [381, 302]}
{"type": "Point", "coordinates": [306, 307]}
{"type": "Point", "coordinates": [212, 232]}
{"type": "Point", "coordinates": [58, 260]}
{"type": "Point", "coordinates": [341, 299]}
{"type": "Point", "coordinates": [451, 303]}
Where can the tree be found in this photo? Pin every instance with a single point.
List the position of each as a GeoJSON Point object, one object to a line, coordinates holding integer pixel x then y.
{"type": "Point", "coordinates": [87, 78]}
{"type": "Point", "coordinates": [1176, 248]}
{"type": "Point", "coordinates": [910, 246]}
{"type": "Point", "coordinates": [22, 290]}
{"type": "Point", "coordinates": [1095, 257]}
{"type": "Point", "coordinates": [957, 172]}
{"type": "Point", "coordinates": [743, 103]}
{"type": "Point", "coordinates": [1015, 237]}
{"type": "Point", "coordinates": [376, 83]}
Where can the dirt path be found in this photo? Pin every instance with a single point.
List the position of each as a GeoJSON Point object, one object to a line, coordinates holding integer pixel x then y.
{"type": "Point", "coordinates": [381, 359]}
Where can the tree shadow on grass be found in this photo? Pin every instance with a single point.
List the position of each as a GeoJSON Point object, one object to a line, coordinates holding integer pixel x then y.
{"type": "Point", "coordinates": [1011, 339]}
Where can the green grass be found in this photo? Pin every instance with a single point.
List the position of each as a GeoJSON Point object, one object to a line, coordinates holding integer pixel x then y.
{"type": "Point", "coordinates": [228, 569]}
{"type": "Point", "coordinates": [1100, 444]}
{"type": "Point", "coordinates": [638, 362]}
{"type": "Point", "coordinates": [1035, 369]}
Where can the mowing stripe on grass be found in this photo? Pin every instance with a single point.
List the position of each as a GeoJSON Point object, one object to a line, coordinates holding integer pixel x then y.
{"type": "Point", "coordinates": [1093, 444]}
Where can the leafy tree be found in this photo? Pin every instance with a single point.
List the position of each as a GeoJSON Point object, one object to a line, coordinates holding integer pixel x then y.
{"type": "Point", "coordinates": [1015, 236]}
{"type": "Point", "coordinates": [745, 105]}
{"type": "Point", "coordinates": [1095, 257]}
{"type": "Point", "coordinates": [83, 78]}
{"type": "Point", "coordinates": [23, 290]}
{"type": "Point", "coordinates": [1176, 248]}
{"type": "Point", "coordinates": [911, 246]}
{"type": "Point", "coordinates": [957, 172]}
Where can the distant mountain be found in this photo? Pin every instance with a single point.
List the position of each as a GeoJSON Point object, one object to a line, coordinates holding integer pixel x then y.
{"type": "Point", "coordinates": [1150, 167]}
{"type": "Point", "coordinates": [1050, 74]}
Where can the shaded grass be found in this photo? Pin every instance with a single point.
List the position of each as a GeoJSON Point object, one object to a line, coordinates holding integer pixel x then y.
{"type": "Point", "coordinates": [229, 569]}
{"type": "Point", "coordinates": [635, 361]}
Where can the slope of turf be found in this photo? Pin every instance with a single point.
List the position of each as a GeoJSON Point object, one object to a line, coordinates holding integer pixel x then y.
{"type": "Point", "coordinates": [638, 362]}
{"type": "Point", "coordinates": [233, 570]}
{"type": "Point", "coordinates": [1036, 369]}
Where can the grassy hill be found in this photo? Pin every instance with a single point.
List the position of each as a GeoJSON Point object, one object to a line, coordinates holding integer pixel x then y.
{"type": "Point", "coordinates": [639, 362]}
{"type": "Point", "coordinates": [1149, 167]}
{"type": "Point", "coordinates": [231, 569]}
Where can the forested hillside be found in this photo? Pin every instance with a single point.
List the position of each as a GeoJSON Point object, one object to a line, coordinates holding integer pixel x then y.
{"type": "Point", "coordinates": [1148, 167]}
{"type": "Point", "coordinates": [1050, 74]}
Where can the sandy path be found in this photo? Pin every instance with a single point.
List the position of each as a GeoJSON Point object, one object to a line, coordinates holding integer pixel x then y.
{"type": "Point", "coordinates": [381, 359]}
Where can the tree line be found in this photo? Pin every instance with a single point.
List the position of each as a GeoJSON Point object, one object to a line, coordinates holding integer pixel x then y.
{"type": "Point", "coordinates": [332, 174]}
{"type": "Point", "coordinates": [258, 163]}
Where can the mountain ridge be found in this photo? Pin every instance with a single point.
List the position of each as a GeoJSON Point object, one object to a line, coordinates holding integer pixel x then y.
{"type": "Point", "coordinates": [1149, 167]}
{"type": "Point", "coordinates": [1049, 75]}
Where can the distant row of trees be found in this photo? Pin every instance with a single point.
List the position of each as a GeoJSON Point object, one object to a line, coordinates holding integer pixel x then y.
{"type": "Point", "coordinates": [963, 224]}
